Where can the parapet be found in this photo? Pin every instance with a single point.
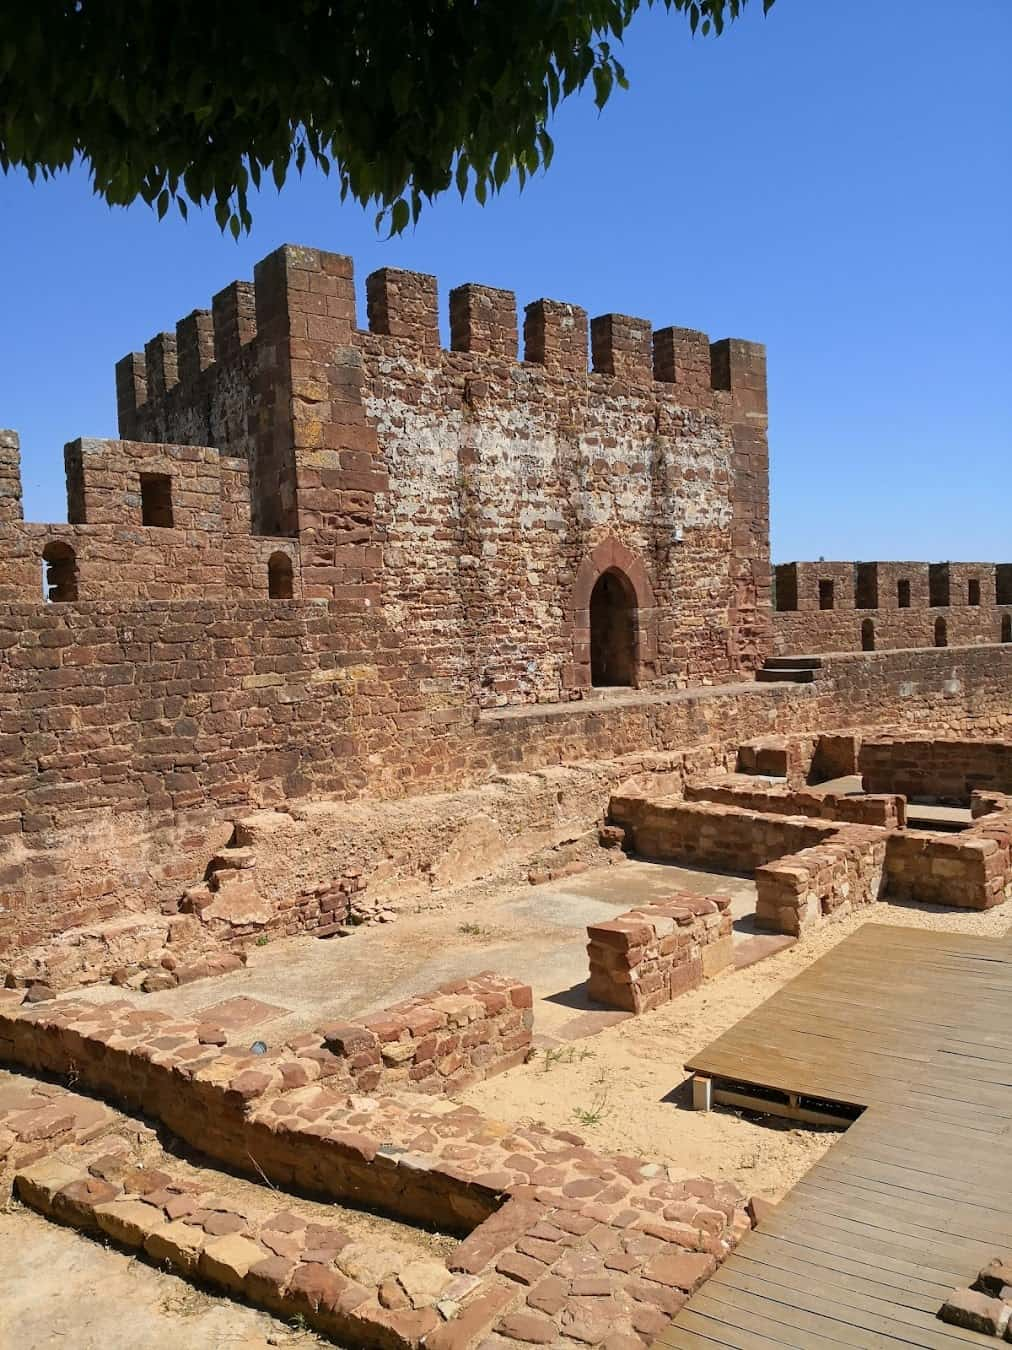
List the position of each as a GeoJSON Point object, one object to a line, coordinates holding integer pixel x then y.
{"type": "Point", "coordinates": [402, 307]}
{"type": "Point", "coordinates": [176, 361]}
{"type": "Point", "coordinates": [823, 585]}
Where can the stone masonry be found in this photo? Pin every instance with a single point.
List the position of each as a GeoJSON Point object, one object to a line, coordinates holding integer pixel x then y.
{"type": "Point", "coordinates": [326, 561]}
{"type": "Point", "coordinates": [878, 606]}
{"type": "Point", "coordinates": [319, 552]}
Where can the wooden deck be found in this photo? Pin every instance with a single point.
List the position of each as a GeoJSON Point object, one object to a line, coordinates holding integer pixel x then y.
{"type": "Point", "coordinates": [916, 1196]}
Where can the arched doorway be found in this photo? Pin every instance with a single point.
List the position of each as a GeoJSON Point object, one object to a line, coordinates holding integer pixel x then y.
{"type": "Point", "coordinates": [279, 576]}
{"type": "Point", "coordinates": [612, 630]}
{"type": "Point", "coordinates": [941, 633]}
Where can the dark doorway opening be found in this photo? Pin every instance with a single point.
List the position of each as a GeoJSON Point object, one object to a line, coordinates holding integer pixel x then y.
{"type": "Point", "coordinates": [279, 577]}
{"type": "Point", "coordinates": [903, 594]}
{"type": "Point", "coordinates": [156, 500]}
{"type": "Point", "coordinates": [867, 636]}
{"type": "Point", "coordinates": [941, 633]}
{"type": "Point", "coordinates": [612, 631]}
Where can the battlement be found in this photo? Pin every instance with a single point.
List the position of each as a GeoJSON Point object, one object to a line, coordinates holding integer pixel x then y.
{"type": "Point", "coordinates": [272, 448]}
{"type": "Point", "coordinates": [403, 306]}
{"type": "Point", "coordinates": [557, 335]}
{"type": "Point", "coordinates": [868, 606]}
{"type": "Point", "coordinates": [145, 522]}
{"type": "Point", "coordinates": [891, 585]}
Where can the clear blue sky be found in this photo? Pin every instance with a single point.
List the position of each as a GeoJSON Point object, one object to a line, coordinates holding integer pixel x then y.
{"type": "Point", "coordinates": [833, 180]}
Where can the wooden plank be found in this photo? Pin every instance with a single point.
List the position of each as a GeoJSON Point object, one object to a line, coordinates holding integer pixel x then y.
{"type": "Point", "coordinates": [840, 1244]}
{"type": "Point", "coordinates": [866, 1320]}
{"type": "Point", "coordinates": [722, 1326]}
{"type": "Point", "coordinates": [917, 1194]}
{"type": "Point", "coordinates": [849, 1272]}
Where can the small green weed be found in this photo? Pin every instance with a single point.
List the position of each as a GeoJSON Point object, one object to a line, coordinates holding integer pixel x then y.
{"type": "Point", "coordinates": [474, 930]}
{"type": "Point", "coordinates": [568, 1054]}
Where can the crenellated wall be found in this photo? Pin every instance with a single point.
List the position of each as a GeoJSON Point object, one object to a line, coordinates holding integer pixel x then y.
{"type": "Point", "coordinates": [463, 491]}
{"type": "Point", "coordinates": [877, 606]}
{"type": "Point", "coordinates": [467, 540]}
{"type": "Point", "coordinates": [471, 497]}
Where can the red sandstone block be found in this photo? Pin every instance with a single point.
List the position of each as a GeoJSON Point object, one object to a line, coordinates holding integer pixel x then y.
{"type": "Point", "coordinates": [620, 935]}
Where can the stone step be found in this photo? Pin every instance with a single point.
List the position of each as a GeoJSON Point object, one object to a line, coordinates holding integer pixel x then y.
{"type": "Point", "coordinates": [793, 663]}
{"type": "Point", "coordinates": [38, 1118]}
{"type": "Point", "coordinates": [786, 675]}
{"type": "Point", "coordinates": [560, 1242]}
{"type": "Point", "coordinates": [349, 1276]}
{"type": "Point", "coordinates": [750, 950]}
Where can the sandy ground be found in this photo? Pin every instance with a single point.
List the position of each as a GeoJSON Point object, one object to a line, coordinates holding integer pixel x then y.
{"type": "Point", "coordinates": [58, 1289]}
{"type": "Point", "coordinates": [625, 1087]}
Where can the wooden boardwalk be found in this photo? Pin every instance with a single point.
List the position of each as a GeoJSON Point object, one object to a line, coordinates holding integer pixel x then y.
{"type": "Point", "coordinates": [916, 1196]}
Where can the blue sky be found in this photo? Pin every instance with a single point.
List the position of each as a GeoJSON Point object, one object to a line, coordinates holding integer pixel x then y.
{"type": "Point", "coordinates": [833, 180]}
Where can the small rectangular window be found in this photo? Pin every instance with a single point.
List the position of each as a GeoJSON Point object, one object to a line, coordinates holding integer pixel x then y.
{"type": "Point", "coordinates": [866, 586]}
{"type": "Point", "coordinates": [938, 585]}
{"type": "Point", "coordinates": [156, 500]}
{"type": "Point", "coordinates": [903, 594]}
{"type": "Point", "coordinates": [973, 592]}
{"type": "Point", "coordinates": [825, 595]}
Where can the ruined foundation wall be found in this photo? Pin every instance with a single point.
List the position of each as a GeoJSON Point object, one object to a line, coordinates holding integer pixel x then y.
{"type": "Point", "coordinates": [929, 766]}
{"type": "Point", "coordinates": [738, 790]}
{"type": "Point", "coordinates": [648, 956]}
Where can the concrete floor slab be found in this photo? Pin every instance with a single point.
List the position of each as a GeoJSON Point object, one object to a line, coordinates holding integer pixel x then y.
{"type": "Point", "coordinates": [537, 933]}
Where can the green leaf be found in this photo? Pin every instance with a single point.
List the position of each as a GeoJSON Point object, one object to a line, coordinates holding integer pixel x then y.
{"type": "Point", "coordinates": [399, 217]}
{"type": "Point", "coordinates": [401, 100]}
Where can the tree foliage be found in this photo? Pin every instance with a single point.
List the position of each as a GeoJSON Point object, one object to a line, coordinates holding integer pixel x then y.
{"type": "Point", "coordinates": [198, 101]}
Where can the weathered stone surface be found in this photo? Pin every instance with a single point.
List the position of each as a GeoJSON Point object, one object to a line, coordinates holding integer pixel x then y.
{"type": "Point", "coordinates": [177, 1243]}
{"type": "Point", "coordinates": [130, 1222]}
{"type": "Point", "coordinates": [228, 1260]}
{"type": "Point", "coordinates": [976, 1312]}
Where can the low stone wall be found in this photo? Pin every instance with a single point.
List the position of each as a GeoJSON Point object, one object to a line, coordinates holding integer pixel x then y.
{"type": "Point", "coordinates": [651, 954]}
{"type": "Point", "coordinates": [787, 757]}
{"type": "Point", "coordinates": [812, 632]}
{"type": "Point", "coordinates": [548, 1268]}
{"type": "Point", "coordinates": [440, 1041]}
{"type": "Point", "coordinates": [38, 1118]}
{"type": "Point", "coordinates": [138, 951]}
{"type": "Point", "coordinates": [796, 892]}
{"type": "Point", "coordinates": [888, 810]}
{"type": "Point", "coordinates": [972, 870]}
{"type": "Point", "coordinates": [707, 834]}
{"type": "Point", "coordinates": [929, 766]}
{"type": "Point", "coordinates": [176, 1071]}
{"type": "Point", "coordinates": [315, 1272]}
{"type": "Point", "coordinates": [564, 1244]}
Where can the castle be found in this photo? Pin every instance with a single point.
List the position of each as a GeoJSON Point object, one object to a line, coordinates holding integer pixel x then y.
{"type": "Point", "coordinates": [329, 562]}
{"type": "Point", "coordinates": [346, 621]}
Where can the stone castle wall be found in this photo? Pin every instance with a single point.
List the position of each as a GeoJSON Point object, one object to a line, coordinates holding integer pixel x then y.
{"type": "Point", "coordinates": [850, 607]}
{"type": "Point", "coordinates": [438, 520]}
{"type": "Point", "coordinates": [133, 737]}
{"type": "Point", "coordinates": [441, 520]}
